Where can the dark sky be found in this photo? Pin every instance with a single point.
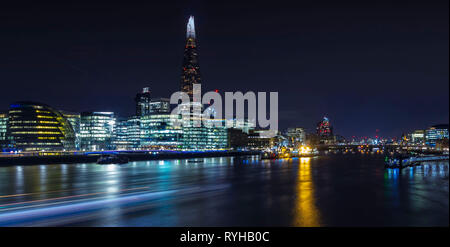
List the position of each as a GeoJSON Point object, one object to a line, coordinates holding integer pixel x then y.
{"type": "Point", "coordinates": [367, 65]}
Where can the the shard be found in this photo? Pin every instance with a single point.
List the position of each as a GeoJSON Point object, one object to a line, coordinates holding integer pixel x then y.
{"type": "Point", "coordinates": [191, 69]}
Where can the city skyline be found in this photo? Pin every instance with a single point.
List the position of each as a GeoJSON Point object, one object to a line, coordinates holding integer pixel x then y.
{"type": "Point", "coordinates": [394, 109]}
{"type": "Point", "coordinates": [227, 121]}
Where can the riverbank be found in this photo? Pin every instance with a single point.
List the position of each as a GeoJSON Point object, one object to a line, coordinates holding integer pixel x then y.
{"type": "Point", "coordinates": [132, 156]}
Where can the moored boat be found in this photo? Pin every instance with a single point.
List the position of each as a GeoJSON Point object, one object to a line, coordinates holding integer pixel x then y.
{"type": "Point", "coordinates": [112, 159]}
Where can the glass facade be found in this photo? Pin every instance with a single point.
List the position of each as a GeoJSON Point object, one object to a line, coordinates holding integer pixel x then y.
{"type": "Point", "coordinates": [38, 127]}
{"type": "Point", "coordinates": [212, 135]}
{"type": "Point", "coordinates": [120, 141]}
{"type": "Point", "coordinates": [134, 132]}
{"type": "Point", "coordinates": [143, 102]}
{"type": "Point", "coordinates": [97, 131]}
{"type": "Point", "coordinates": [127, 134]}
{"type": "Point", "coordinates": [74, 120]}
{"type": "Point", "coordinates": [158, 131]}
{"type": "Point", "coordinates": [191, 68]}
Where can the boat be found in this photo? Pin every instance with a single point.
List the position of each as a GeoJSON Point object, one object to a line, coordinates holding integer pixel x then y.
{"type": "Point", "coordinates": [195, 161]}
{"type": "Point", "coordinates": [112, 159]}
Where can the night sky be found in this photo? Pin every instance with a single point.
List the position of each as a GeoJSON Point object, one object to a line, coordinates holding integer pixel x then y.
{"type": "Point", "coordinates": [367, 65]}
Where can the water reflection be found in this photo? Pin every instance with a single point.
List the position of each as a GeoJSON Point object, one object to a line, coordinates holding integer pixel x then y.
{"type": "Point", "coordinates": [306, 212]}
{"type": "Point", "coordinates": [428, 169]}
{"type": "Point", "coordinates": [322, 191]}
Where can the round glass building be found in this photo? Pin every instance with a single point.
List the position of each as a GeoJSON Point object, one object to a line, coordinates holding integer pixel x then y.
{"type": "Point", "coordinates": [38, 127]}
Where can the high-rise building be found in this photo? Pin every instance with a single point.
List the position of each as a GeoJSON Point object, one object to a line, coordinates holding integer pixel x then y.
{"type": "Point", "coordinates": [97, 131]}
{"type": "Point", "coordinates": [325, 131]}
{"type": "Point", "coordinates": [143, 102]}
{"type": "Point", "coordinates": [159, 105]}
{"type": "Point", "coordinates": [3, 129]}
{"type": "Point", "coordinates": [197, 136]}
{"type": "Point", "coordinates": [191, 69]}
{"type": "Point", "coordinates": [38, 127]}
{"type": "Point", "coordinates": [324, 128]}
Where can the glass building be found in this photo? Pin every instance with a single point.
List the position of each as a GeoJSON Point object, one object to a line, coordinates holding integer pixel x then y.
{"type": "Point", "coordinates": [97, 131]}
{"type": "Point", "coordinates": [143, 102]}
{"type": "Point", "coordinates": [191, 69]}
{"type": "Point", "coordinates": [120, 141]}
{"type": "Point", "coordinates": [207, 135]}
{"type": "Point", "coordinates": [74, 120]}
{"type": "Point", "coordinates": [159, 131]}
{"type": "Point", "coordinates": [216, 136]}
{"type": "Point", "coordinates": [38, 127]}
{"type": "Point", "coordinates": [134, 132]}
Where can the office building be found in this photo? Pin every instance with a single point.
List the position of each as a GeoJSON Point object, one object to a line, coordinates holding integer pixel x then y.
{"type": "Point", "coordinates": [74, 120]}
{"type": "Point", "coordinates": [325, 131]}
{"type": "Point", "coordinates": [38, 127]}
{"type": "Point", "coordinates": [159, 131]}
{"type": "Point", "coordinates": [142, 101]}
{"type": "Point", "coordinates": [97, 131]}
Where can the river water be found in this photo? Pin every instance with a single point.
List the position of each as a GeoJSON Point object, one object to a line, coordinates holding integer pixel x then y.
{"type": "Point", "coordinates": [333, 190]}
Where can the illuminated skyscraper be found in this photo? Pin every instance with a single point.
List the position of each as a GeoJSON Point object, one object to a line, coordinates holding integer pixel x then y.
{"type": "Point", "coordinates": [197, 136]}
{"type": "Point", "coordinates": [325, 131]}
{"type": "Point", "coordinates": [143, 102]}
{"type": "Point", "coordinates": [324, 128]}
{"type": "Point", "coordinates": [191, 69]}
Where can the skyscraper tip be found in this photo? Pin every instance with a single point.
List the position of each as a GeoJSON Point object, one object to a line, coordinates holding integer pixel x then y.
{"type": "Point", "coordinates": [190, 28]}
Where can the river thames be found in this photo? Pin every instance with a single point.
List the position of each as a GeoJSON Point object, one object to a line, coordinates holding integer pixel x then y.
{"type": "Point", "coordinates": [330, 190]}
